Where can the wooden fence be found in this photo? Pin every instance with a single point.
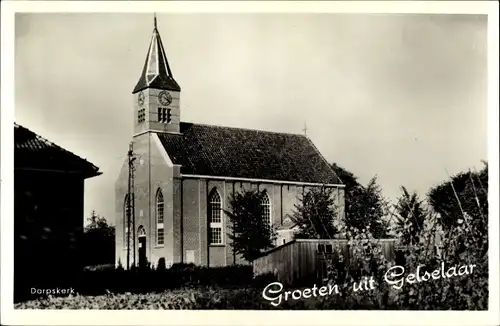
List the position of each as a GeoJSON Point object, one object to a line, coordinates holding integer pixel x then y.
{"type": "Point", "coordinates": [303, 259]}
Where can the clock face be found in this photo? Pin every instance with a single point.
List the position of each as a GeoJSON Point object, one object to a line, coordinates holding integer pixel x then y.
{"type": "Point", "coordinates": [140, 99]}
{"type": "Point", "coordinates": [165, 98]}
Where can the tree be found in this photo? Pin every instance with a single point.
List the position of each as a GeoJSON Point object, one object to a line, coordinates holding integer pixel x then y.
{"type": "Point", "coordinates": [461, 205]}
{"type": "Point", "coordinates": [367, 210]}
{"type": "Point", "coordinates": [348, 178]}
{"type": "Point", "coordinates": [353, 191]}
{"type": "Point", "coordinates": [251, 233]}
{"type": "Point", "coordinates": [98, 241]}
{"type": "Point", "coordinates": [315, 214]}
{"type": "Point", "coordinates": [465, 193]}
{"type": "Point", "coordinates": [96, 221]}
{"type": "Point", "coordinates": [364, 205]}
{"type": "Point", "coordinates": [410, 217]}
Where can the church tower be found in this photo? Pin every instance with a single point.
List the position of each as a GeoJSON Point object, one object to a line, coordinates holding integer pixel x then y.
{"type": "Point", "coordinates": [157, 94]}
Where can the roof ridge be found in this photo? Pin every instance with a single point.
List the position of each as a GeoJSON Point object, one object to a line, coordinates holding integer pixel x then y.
{"type": "Point", "coordinates": [54, 144]}
{"type": "Point", "coordinates": [243, 128]}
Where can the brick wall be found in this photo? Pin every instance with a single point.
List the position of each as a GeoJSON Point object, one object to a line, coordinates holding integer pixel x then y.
{"type": "Point", "coordinates": [153, 175]}
{"type": "Point", "coordinates": [185, 207]}
{"type": "Point", "coordinates": [195, 225]}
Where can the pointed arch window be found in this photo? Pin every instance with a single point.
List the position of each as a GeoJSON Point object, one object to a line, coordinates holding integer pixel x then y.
{"type": "Point", "coordinates": [160, 231]}
{"type": "Point", "coordinates": [215, 218]}
{"type": "Point", "coordinates": [266, 209]}
{"type": "Point", "coordinates": [126, 231]}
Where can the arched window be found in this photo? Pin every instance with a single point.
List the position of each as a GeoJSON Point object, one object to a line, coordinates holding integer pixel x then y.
{"type": "Point", "coordinates": [266, 209]}
{"type": "Point", "coordinates": [215, 218]}
{"type": "Point", "coordinates": [160, 236]}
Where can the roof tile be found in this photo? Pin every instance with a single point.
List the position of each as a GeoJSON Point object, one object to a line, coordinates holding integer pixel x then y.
{"type": "Point", "coordinates": [247, 153]}
{"type": "Point", "coordinates": [35, 152]}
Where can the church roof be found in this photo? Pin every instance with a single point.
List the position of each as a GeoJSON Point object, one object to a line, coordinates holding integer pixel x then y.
{"type": "Point", "coordinates": [246, 153]}
{"type": "Point", "coordinates": [156, 72]}
{"type": "Point", "coordinates": [32, 151]}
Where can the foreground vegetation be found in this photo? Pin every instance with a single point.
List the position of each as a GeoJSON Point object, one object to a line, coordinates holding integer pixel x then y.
{"type": "Point", "coordinates": [184, 298]}
{"type": "Point", "coordinates": [452, 230]}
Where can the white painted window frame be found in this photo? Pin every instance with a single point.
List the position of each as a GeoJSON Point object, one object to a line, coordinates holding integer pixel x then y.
{"type": "Point", "coordinates": [215, 225]}
{"type": "Point", "coordinates": [159, 226]}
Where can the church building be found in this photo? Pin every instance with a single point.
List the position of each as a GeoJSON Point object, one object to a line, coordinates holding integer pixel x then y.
{"type": "Point", "coordinates": [185, 172]}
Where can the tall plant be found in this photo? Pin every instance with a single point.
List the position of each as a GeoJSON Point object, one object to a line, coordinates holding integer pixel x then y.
{"type": "Point", "coordinates": [464, 244]}
{"type": "Point", "coordinates": [410, 217]}
{"type": "Point", "coordinates": [315, 214]}
{"type": "Point", "coordinates": [251, 233]}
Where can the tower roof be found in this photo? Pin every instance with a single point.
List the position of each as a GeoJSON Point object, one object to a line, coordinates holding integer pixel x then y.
{"type": "Point", "coordinates": [156, 72]}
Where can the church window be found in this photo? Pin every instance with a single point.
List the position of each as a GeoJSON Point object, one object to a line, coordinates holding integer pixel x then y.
{"type": "Point", "coordinates": [215, 217]}
{"type": "Point", "coordinates": [266, 209]}
{"type": "Point", "coordinates": [161, 236]}
{"type": "Point", "coordinates": [160, 231]}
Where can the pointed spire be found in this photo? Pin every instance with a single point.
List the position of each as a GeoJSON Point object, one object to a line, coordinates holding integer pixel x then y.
{"type": "Point", "coordinates": [156, 72]}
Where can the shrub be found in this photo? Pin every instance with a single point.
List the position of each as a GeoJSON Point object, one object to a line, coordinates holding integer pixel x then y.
{"type": "Point", "coordinates": [261, 281]}
{"type": "Point", "coordinates": [161, 265]}
{"type": "Point", "coordinates": [99, 267]}
{"type": "Point", "coordinates": [464, 243]}
{"type": "Point", "coordinates": [147, 279]}
{"type": "Point", "coordinates": [199, 298]}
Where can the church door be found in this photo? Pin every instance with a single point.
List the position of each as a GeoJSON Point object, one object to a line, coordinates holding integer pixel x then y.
{"type": "Point", "coordinates": [142, 246]}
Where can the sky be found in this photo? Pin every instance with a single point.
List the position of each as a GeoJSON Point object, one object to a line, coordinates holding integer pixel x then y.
{"type": "Point", "coordinates": [403, 97]}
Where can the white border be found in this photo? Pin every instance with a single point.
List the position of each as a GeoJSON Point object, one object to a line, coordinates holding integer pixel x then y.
{"type": "Point", "coordinates": [13, 317]}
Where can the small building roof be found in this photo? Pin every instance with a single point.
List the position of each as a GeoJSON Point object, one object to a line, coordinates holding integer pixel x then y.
{"type": "Point", "coordinates": [246, 153]}
{"type": "Point", "coordinates": [287, 224]}
{"type": "Point", "coordinates": [31, 151]}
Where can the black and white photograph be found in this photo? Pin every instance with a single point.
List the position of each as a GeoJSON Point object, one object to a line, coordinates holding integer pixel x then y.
{"type": "Point", "coordinates": [250, 160]}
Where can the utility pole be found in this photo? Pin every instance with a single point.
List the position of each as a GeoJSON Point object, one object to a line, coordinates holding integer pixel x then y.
{"type": "Point", "coordinates": [305, 129]}
{"type": "Point", "coordinates": [132, 187]}
{"type": "Point", "coordinates": [130, 203]}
